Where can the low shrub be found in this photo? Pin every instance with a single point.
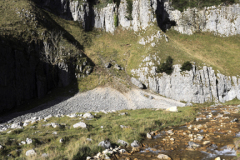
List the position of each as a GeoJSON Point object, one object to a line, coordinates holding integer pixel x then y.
{"type": "Point", "coordinates": [129, 9]}
{"type": "Point", "coordinates": [187, 66]}
{"type": "Point", "coordinates": [115, 20]}
{"type": "Point", "coordinates": [166, 67]}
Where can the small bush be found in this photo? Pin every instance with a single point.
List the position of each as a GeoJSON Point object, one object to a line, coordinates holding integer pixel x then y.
{"type": "Point", "coordinates": [187, 66]}
{"type": "Point", "coordinates": [115, 20]}
{"type": "Point", "coordinates": [166, 67]}
{"type": "Point", "coordinates": [129, 9]}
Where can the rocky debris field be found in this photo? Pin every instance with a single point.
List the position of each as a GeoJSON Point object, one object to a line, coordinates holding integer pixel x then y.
{"type": "Point", "coordinates": [99, 99]}
{"type": "Point", "coordinates": [215, 134]}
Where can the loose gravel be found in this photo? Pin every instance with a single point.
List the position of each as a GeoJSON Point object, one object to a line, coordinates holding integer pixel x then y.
{"type": "Point", "coordinates": [98, 99]}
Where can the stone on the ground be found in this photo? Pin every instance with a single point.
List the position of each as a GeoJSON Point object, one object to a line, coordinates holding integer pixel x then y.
{"type": "Point", "coordinates": [122, 142]}
{"type": "Point", "coordinates": [217, 158]}
{"type": "Point", "coordinates": [49, 116]}
{"type": "Point", "coordinates": [122, 114]}
{"type": "Point", "coordinates": [54, 132]}
{"type": "Point", "coordinates": [23, 142]}
{"type": "Point", "coordinates": [122, 126]}
{"type": "Point", "coordinates": [61, 140]}
{"type": "Point", "coordinates": [121, 151]}
{"type": "Point", "coordinates": [55, 125]}
{"type": "Point", "coordinates": [72, 115]}
{"type": "Point", "coordinates": [29, 141]}
{"type": "Point", "coordinates": [88, 139]}
{"type": "Point", "coordinates": [25, 124]}
{"type": "Point", "coordinates": [17, 125]}
{"type": "Point", "coordinates": [135, 143]}
{"type": "Point", "coordinates": [30, 153]}
{"type": "Point", "coordinates": [44, 155]}
{"type": "Point", "coordinates": [108, 65]}
{"type": "Point", "coordinates": [172, 109]}
{"type": "Point", "coordinates": [116, 66]}
{"type": "Point", "coordinates": [206, 142]}
{"type": "Point", "coordinates": [1, 147]}
{"type": "Point", "coordinates": [137, 83]}
{"type": "Point", "coordinates": [80, 124]}
{"type": "Point", "coordinates": [163, 156]}
{"type": "Point", "coordinates": [105, 144]}
{"type": "Point", "coordinates": [149, 136]}
{"type": "Point", "coordinates": [193, 145]}
{"type": "Point", "coordinates": [88, 158]}
{"type": "Point", "coordinates": [88, 115]}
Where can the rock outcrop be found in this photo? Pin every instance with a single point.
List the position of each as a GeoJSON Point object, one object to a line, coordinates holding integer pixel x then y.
{"type": "Point", "coordinates": [196, 85]}
{"type": "Point", "coordinates": [24, 75]}
{"type": "Point", "coordinates": [221, 20]}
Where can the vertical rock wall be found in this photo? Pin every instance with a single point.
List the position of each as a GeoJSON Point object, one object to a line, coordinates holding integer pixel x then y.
{"type": "Point", "coordinates": [196, 85]}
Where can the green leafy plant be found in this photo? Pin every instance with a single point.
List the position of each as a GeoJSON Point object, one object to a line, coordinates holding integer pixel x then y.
{"type": "Point", "coordinates": [166, 66]}
{"type": "Point", "coordinates": [129, 10]}
{"type": "Point", "coordinates": [115, 20]}
{"type": "Point", "coordinates": [187, 66]}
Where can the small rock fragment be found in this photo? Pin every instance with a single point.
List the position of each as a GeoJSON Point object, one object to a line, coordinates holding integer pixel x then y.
{"type": "Point", "coordinates": [30, 153]}
{"type": "Point", "coordinates": [105, 144]}
{"type": "Point", "coordinates": [29, 141]}
{"type": "Point", "coordinates": [122, 142]}
{"type": "Point", "coordinates": [88, 115]}
{"type": "Point", "coordinates": [172, 109]}
{"type": "Point", "coordinates": [149, 136]}
{"type": "Point", "coordinates": [80, 124]}
{"type": "Point", "coordinates": [44, 155]}
{"type": "Point", "coordinates": [163, 157]}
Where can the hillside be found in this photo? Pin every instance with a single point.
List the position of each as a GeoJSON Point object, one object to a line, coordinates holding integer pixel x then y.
{"type": "Point", "coordinates": [61, 59]}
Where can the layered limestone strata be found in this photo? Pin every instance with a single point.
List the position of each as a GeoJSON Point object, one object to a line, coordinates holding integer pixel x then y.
{"type": "Point", "coordinates": [196, 85]}
{"type": "Point", "coordinates": [221, 20]}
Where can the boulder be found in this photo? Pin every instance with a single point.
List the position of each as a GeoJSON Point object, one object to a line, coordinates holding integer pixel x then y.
{"type": "Point", "coordinates": [80, 124]}
{"type": "Point", "coordinates": [30, 153]}
{"type": "Point", "coordinates": [137, 83]}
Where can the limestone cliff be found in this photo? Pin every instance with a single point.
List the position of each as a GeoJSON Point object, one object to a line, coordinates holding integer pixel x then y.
{"type": "Point", "coordinates": [24, 75]}
{"type": "Point", "coordinates": [221, 20]}
{"type": "Point", "coordinates": [196, 85]}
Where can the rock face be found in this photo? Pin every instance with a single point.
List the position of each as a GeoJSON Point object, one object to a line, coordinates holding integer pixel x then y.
{"type": "Point", "coordinates": [24, 75]}
{"type": "Point", "coordinates": [222, 20]}
{"type": "Point", "coordinates": [196, 85]}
